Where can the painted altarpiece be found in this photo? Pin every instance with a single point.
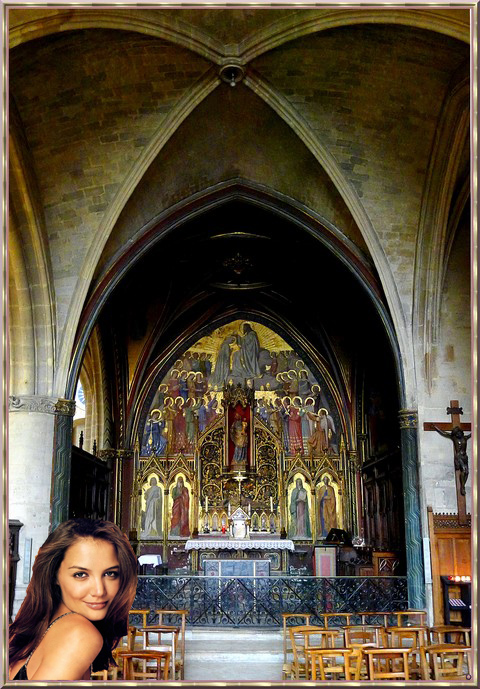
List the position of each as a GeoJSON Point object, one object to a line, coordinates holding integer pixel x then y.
{"type": "Point", "coordinates": [237, 420]}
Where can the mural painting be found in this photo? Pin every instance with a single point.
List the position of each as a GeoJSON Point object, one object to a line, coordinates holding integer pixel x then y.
{"type": "Point", "coordinates": [289, 399]}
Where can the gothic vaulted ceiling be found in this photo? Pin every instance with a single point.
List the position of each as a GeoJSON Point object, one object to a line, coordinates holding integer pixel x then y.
{"type": "Point", "coordinates": [140, 137]}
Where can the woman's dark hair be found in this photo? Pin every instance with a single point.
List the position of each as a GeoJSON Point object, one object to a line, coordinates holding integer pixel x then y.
{"type": "Point", "coordinates": [44, 595]}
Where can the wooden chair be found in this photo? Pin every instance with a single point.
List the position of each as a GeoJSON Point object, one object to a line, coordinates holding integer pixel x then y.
{"type": "Point", "coordinates": [127, 644]}
{"type": "Point", "coordinates": [407, 618]}
{"type": "Point", "coordinates": [140, 619]}
{"type": "Point", "coordinates": [388, 663]}
{"type": "Point", "coordinates": [413, 638]}
{"type": "Point", "coordinates": [143, 613]}
{"type": "Point", "coordinates": [371, 617]}
{"type": "Point", "coordinates": [325, 665]}
{"type": "Point", "coordinates": [329, 667]}
{"type": "Point", "coordinates": [287, 645]}
{"type": "Point", "coordinates": [359, 660]}
{"type": "Point", "coordinates": [329, 617]}
{"type": "Point", "coordinates": [449, 634]}
{"type": "Point", "coordinates": [447, 661]}
{"type": "Point", "coordinates": [160, 659]}
{"type": "Point", "coordinates": [304, 637]}
{"type": "Point", "coordinates": [105, 675]}
{"type": "Point", "coordinates": [364, 634]}
{"type": "Point", "coordinates": [166, 639]}
{"type": "Point", "coordinates": [164, 617]}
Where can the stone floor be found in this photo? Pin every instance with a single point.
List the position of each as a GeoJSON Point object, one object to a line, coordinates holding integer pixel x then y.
{"type": "Point", "coordinates": [233, 655]}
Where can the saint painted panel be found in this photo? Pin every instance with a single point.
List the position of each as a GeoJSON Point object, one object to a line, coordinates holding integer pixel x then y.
{"type": "Point", "coordinates": [151, 513]}
{"type": "Point", "coordinates": [299, 502]}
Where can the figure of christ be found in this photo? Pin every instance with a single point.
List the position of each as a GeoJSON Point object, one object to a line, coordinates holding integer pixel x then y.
{"type": "Point", "coordinates": [327, 508]}
{"type": "Point", "coordinates": [180, 510]}
{"type": "Point", "coordinates": [295, 438]}
{"type": "Point", "coordinates": [299, 513]}
{"type": "Point", "coordinates": [460, 457]}
{"type": "Point", "coordinates": [250, 349]}
{"type": "Point", "coordinates": [239, 436]}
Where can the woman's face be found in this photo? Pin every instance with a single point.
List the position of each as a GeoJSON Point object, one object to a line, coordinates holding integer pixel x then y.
{"type": "Point", "coordinates": [89, 577]}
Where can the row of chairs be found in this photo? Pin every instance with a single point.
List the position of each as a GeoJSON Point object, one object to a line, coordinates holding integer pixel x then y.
{"type": "Point", "coordinates": [150, 651]}
{"type": "Point", "coordinates": [373, 651]}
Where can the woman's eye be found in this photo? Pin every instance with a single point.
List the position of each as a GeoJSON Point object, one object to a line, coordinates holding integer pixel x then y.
{"type": "Point", "coordinates": [80, 575]}
{"type": "Point", "coordinates": [111, 575]}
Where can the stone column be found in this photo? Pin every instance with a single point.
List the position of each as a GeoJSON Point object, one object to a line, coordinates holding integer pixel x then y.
{"type": "Point", "coordinates": [411, 498]}
{"type": "Point", "coordinates": [31, 430]}
{"type": "Point", "coordinates": [62, 461]}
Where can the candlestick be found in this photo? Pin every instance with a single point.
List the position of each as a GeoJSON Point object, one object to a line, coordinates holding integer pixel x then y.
{"type": "Point", "coordinates": [206, 503]}
{"type": "Point", "coordinates": [271, 504]}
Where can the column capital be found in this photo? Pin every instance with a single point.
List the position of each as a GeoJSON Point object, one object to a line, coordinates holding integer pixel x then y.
{"type": "Point", "coordinates": [408, 418]}
{"type": "Point", "coordinates": [41, 404]}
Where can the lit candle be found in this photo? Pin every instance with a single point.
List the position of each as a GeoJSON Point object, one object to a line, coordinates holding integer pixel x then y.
{"type": "Point", "coordinates": [271, 504]}
{"type": "Point", "coordinates": [206, 503]}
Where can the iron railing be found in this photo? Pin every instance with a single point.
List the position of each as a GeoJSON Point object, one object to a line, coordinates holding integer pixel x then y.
{"type": "Point", "coordinates": [260, 601]}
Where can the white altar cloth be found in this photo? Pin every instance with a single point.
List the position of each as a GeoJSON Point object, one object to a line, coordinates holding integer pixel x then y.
{"type": "Point", "coordinates": [238, 544]}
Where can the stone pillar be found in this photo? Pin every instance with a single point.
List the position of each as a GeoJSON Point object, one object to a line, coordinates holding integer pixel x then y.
{"type": "Point", "coordinates": [31, 429]}
{"type": "Point", "coordinates": [62, 460]}
{"type": "Point", "coordinates": [413, 528]}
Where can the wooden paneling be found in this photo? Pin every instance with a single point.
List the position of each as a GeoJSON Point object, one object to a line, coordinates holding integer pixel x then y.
{"type": "Point", "coordinates": [450, 547]}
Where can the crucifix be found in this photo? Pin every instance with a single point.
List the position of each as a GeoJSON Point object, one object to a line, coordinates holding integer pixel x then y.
{"type": "Point", "coordinates": [239, 478]}
{"type": "Point", "coordinates": [455, 431]}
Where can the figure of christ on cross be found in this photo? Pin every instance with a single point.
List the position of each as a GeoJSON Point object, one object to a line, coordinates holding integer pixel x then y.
{"type": "Point", "coordinates": [455, 431]}
{"type": "Point", "coordinates": [239, 477]}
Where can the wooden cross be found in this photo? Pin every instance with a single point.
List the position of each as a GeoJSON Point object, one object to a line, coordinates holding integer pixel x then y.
{"type": "Point", "coordinates": [454, 410]}
{"type": "Point", "coordinates": [239, 478]}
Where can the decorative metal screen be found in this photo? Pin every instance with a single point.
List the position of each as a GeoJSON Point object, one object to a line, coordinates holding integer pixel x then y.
{"type": "Point", "coordinates": [260, 601]}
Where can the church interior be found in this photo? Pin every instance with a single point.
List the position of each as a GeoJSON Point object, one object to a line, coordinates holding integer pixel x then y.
{"type": "Point", "coordinates": [239, 305]}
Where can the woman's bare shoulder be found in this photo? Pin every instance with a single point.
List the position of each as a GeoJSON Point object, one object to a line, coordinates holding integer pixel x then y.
{"type": "Point", "coordinates": [69, 648]}
{"type": "Point", "coordinates": [74, 627]}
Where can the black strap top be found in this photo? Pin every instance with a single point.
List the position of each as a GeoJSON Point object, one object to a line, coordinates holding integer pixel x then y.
{"type": "Point", "coordinates": [22, 673]}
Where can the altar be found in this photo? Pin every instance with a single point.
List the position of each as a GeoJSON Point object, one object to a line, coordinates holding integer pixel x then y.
{"type": "Point", "coordinates": [275, 550]}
